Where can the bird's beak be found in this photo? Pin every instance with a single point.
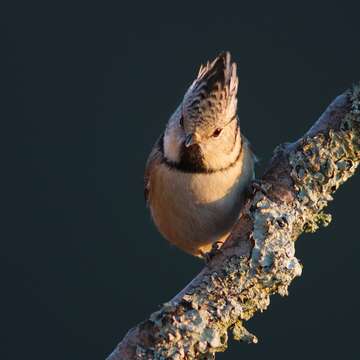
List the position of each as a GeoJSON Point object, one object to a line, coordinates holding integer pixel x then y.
{"type": "Point", "coordinates": [191, 139]}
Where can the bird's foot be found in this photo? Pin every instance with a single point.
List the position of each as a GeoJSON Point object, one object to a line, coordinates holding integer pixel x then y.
{"type": "Point", "coordinates": [215, 249]}
{"type": "Point", "coordinates": [258, 185]}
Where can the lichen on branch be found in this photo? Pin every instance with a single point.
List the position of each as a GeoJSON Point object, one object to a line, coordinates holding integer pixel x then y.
{"type": "Point", "coordinates": [258, 259]}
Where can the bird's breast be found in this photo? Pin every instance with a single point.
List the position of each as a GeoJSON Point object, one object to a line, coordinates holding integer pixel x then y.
{"type": "Point", "coordinates": [195, 209]}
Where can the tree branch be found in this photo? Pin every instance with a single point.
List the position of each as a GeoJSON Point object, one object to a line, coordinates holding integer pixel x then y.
{"type": "Point", "coordinates": [258, 259]}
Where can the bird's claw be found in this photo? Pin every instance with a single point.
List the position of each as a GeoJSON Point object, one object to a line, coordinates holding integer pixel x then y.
{"type": "Point", "coordinates": [215, 249]}
{"type": "Point", "coordinates": [257, 185]}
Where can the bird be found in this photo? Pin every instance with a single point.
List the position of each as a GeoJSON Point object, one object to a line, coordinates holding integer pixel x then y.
{"type": "Point", "coordinates": [198, 171]}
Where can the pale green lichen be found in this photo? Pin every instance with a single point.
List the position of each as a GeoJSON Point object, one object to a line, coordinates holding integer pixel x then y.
{"type": "Point", "coordinates": [324, 162]}
{"type": "Point", "coordinates": [241, 334]}
{"type": "Point", "coordinates": [195, 327]}
{"type": "Point", "coordinates": [320, 219]}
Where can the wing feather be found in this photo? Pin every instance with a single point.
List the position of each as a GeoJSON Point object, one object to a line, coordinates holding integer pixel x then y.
{"type": "Point", "coordinates": [154, 160]}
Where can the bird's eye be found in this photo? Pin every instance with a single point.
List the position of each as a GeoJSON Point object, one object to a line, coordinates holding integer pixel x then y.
{"type": "Point", "coordinates": [181, 122]}
{"type": "Point", "coordinates": [217, 132]}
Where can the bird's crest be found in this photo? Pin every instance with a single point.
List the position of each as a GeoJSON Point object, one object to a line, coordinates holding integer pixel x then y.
{"type": "Point", "coordinates": [211, 98]}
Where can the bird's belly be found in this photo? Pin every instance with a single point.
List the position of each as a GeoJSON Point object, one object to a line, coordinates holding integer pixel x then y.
{"type": "Point", "coordinates": [194, 210]}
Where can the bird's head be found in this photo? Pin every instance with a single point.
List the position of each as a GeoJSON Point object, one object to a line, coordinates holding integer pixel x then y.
{"type": "Point", "coordinates": [203, 130]}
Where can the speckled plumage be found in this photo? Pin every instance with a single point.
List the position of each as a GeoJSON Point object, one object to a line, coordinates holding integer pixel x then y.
{"type": "Point", "coordinates": [211, 99]}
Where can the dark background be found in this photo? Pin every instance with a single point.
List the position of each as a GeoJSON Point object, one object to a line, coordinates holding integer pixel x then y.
{"type": "Point", "coordinates": [85, 91]}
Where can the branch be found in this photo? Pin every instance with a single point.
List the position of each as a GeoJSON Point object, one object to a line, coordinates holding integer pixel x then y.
{"type": "Point", "coordinates": [258, 259]}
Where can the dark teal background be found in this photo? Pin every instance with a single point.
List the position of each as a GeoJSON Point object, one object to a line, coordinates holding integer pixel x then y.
{"type": "Point", "coordinates": [85, 90]}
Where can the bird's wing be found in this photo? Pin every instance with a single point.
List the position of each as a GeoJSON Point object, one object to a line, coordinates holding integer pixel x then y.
{"type": "Point", "coordinates": [154, 160]}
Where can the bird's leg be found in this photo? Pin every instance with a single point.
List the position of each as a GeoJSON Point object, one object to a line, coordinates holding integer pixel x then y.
{"type": "Point", "coordinates": [215, 249]}
{"type": "Point", "coordinates": [257, 185]}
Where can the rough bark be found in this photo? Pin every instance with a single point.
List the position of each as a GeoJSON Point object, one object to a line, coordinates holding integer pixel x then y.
{"type": "Point", "coordinates": [258, 259]}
